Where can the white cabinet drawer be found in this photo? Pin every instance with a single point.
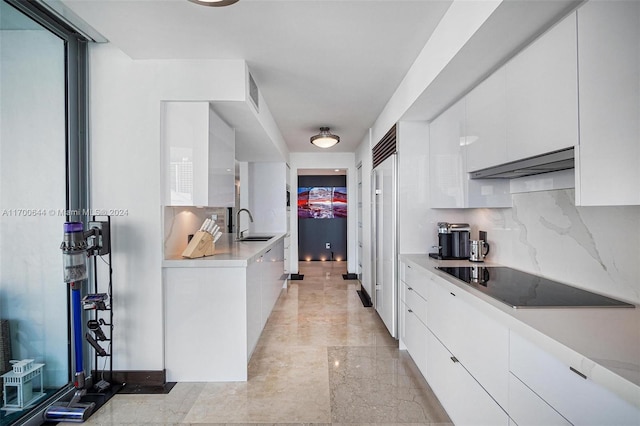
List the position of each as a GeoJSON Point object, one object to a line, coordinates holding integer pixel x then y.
{"type": "Point", "coordinates": [480, 342]}
{"type": "Point", "coordinates": [415, 303]}
{"type": "Point", "coordinates": [528, 409]}
{"type": "Point", "coordinates": [466, 402]}
{"type": "Point", "coordinates": [416, 279]}
{"type": "Point", "coordinates": [414, 336]}
{"type": "Point", "coordinates": [578, 399]}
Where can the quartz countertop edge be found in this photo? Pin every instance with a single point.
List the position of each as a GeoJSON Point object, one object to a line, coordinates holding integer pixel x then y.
{"type": "Point", "coordinates": [229, 253]}
{"type": "Point", "coordinates": [602, 343]}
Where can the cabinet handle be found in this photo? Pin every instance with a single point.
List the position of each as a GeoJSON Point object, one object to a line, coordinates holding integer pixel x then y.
{"type": "Point", "coordinates": [578, 373]}
{"type": "Point", "coordinates": [409, 266]}
{"type": "Point", "coordinates": [452, 294]}
{"type": "Point", "coordinates": [409, 288]}
{"type": "Point", "coordinates": [454, 359]}
{"type": "Point", "coordinates": [267, 251]}
{"type": "Point", "coordinates": [409, 310]}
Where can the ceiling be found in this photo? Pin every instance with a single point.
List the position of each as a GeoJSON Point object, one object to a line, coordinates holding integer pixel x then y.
{"type": "Point", "coordinates": [317, 63]}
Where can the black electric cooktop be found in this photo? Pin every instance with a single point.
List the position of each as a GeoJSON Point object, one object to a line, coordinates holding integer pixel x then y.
{"type": "Point", "coordinates": [522, 290]}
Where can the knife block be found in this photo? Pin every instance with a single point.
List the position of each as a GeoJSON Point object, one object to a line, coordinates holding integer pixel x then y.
{"type": "Point", "coordinates": [201, 245]}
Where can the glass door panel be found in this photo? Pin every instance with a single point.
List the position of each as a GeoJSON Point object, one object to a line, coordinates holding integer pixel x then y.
{"type": "Point", "coordinates": [33, 297]}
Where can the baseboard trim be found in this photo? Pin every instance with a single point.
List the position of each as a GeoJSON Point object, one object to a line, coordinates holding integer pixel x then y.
{"type": "Point", "coordinates": [134, 377]}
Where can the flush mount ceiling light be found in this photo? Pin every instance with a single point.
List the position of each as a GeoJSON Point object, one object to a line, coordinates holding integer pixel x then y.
{"type": "Point", "coordinates": [325, 139]}
{"type": "Point", "coordinates": [214, 3]}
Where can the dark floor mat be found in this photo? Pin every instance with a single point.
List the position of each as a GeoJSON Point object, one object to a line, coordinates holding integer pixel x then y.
{"type": "Point", "coordinates": [129, 388]}
{"type": "Point", "coordinates": [349, 276]}
{"type": "Point", "coordinates": [296, 277]}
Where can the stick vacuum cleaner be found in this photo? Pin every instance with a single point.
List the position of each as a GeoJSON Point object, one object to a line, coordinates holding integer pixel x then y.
{"type": "Point", "coordinates": [74, 254]}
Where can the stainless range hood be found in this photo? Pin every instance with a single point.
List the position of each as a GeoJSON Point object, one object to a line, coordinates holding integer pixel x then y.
{"type": "Point", "coordinates": [551, 162]}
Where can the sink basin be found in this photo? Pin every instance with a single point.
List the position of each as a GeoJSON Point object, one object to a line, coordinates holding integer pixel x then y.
{"type": "Point", "coordinates": [256, 238]}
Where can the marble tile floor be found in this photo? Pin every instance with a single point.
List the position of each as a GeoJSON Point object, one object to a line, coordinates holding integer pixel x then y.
{"type": "Point", "coordinates": [322, 359]}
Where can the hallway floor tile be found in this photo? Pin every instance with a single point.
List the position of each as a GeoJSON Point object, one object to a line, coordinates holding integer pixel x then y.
{"type": "Point", "coordinates": [322, 359]}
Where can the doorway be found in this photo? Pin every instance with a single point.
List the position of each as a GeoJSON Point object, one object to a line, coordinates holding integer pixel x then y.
{"type": "Point", "coordinates": [322, 215]}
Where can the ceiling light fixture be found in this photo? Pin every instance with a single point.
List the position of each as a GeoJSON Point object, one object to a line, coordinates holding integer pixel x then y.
{"type": "Point", "coordinates": [214, 3]}
{"type": "Point", "coordinates": [325, 139]}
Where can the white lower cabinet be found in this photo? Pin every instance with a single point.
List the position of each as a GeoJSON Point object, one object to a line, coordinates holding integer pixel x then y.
{"type": "Point", "coordinates": [413, 314]}
{"type": "Point", "coordinates": [415, 302]}
{"type": "Point", "coordinates": [485, 373]}
{"type": "Point", "coordinates": [569, 391]}
{"type": "Point", "coordinates": [414, 336]}
{"type": "Point", "coordinates": [254, 308]}
{"type": "Point", "coordinates": [214, 316]}
{"type": "Point", "coordinates": [528, 409]}
{"type": "Point", "coordinates": [479, 342]}
{"type": "Point", "coordinates": [465, 400]}
{"type": "Point", "coordinates": [272, 267]}
{"type": "Point", "coordinates": [415, 278]}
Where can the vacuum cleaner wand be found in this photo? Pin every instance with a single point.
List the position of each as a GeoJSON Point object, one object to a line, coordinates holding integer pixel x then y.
{"type": "Point", "coordinates": [74, 260]}
{"type": "Point", "coordinates": [74, 255]}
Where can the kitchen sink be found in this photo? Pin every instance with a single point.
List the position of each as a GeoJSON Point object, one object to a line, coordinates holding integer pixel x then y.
{"type": "Point", "coordinates": [256, 238]}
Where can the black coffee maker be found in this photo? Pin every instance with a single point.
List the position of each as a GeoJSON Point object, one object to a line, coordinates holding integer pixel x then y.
{"type": "Point", "coordinates": [453, 241]}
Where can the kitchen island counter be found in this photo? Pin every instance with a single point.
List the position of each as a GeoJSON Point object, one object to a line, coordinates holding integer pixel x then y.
{"type": "Point", "coordinates": [217, 306]}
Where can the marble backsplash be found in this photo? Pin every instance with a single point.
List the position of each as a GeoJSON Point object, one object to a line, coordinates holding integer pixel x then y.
{"type": "Point", "coordinates": [595, 248]}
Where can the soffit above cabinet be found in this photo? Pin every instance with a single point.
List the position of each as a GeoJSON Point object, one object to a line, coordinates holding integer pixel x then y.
{"type": "Point", "coordinates": [486, 51]}
{"type": "Point", "coordinates": [253, 143]}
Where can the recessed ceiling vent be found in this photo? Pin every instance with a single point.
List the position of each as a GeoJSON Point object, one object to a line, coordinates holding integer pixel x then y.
{"type": "Point", "coordinates": [253, 92]}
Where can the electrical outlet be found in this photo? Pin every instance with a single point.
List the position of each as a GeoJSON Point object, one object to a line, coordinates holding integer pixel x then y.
{"type": "Point", "coordinates": [327, 246]}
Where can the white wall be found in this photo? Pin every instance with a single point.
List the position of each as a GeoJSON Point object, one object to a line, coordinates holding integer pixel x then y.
{"type": "Point", "coordinates": [125, 143]}
{"type": "Point", "coordinates": [338, 160]}
{"type": "Point", "coordinates": [460, 22]}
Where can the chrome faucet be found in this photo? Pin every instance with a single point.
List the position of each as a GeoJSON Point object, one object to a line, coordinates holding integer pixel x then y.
{"type": "Point", "coordinates": [238, 231]}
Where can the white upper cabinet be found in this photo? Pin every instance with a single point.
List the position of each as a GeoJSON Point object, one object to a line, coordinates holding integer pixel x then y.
{"type": "Point", "coordinates": [486, 129]}
{"type": "Point", "coordinates": [542, 94]}
{"type": "Point", "coordinates": [222, 158]}
{"type": "Point", "coordinates": [446, 158]}
{"type": "Point", "coordinates": [449, 180]}
{"type": "Point", "coordinates": [199, 156]}
{"type": "Point", "coordinates": [608, 172]}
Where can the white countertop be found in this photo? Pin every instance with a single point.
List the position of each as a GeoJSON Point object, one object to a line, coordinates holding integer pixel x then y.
{"type": "Point", "coordinates": [228, 253]}
{"type": "Point", "coordinates": [603, 342]}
